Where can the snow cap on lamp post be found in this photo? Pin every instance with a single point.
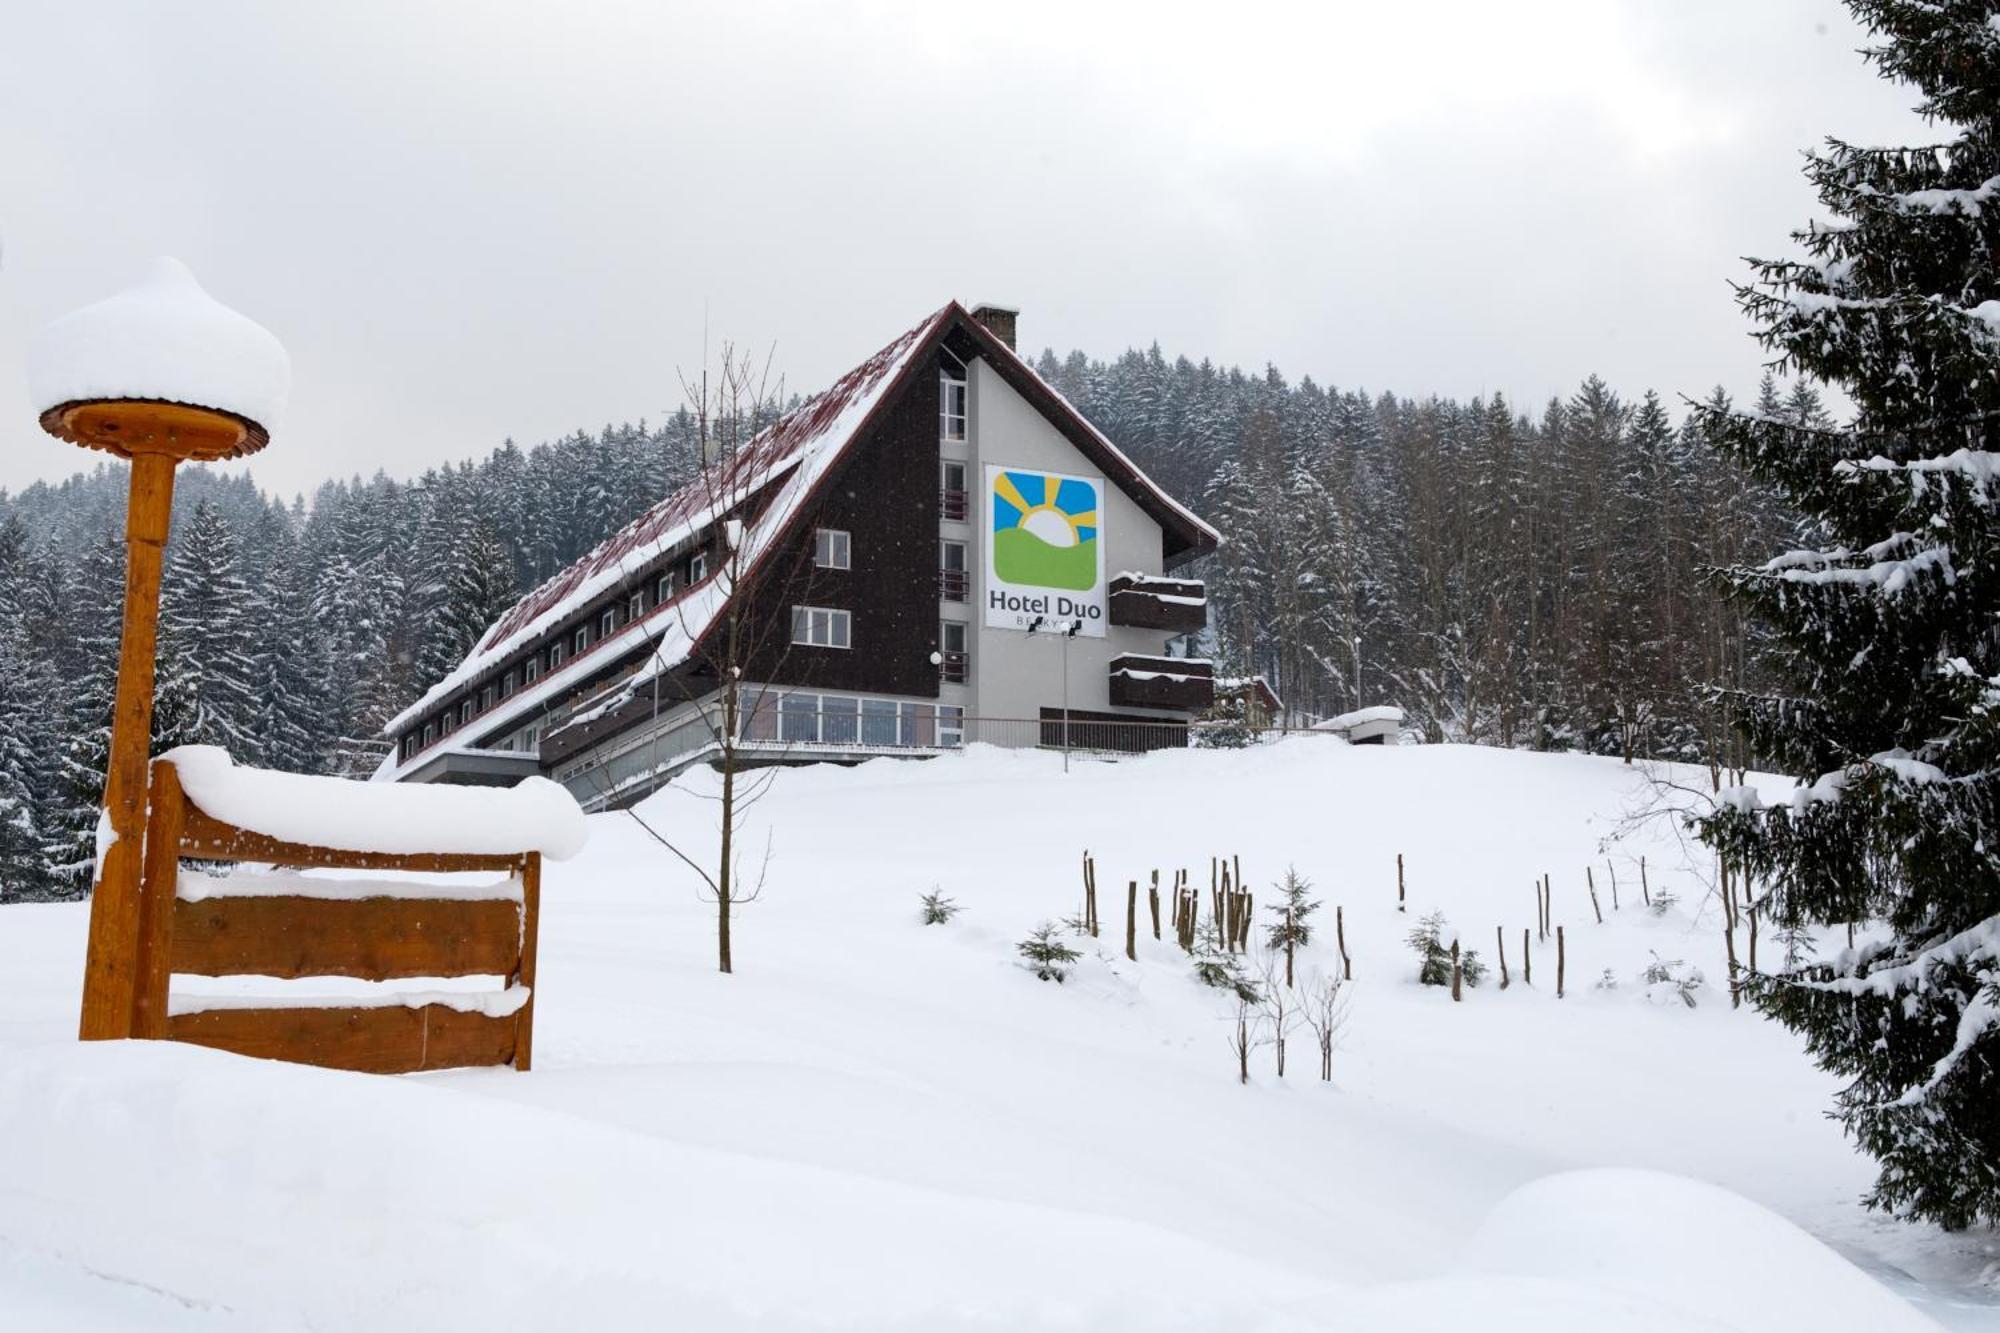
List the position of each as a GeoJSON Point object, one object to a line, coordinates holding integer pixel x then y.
{"type": "Point", "coordinates": [162, 367]}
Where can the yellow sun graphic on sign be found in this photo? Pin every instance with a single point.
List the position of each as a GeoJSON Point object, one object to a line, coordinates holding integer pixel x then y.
{"type": "Point", "coordinates": [1044, 530]}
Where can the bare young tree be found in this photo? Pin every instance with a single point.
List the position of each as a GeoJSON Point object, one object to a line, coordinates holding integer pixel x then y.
{"type": "Point", "coordinates": [1246, 1028]}
{"type": "Point", "coordinates": [1324, 1011]}
{"type": "Point", "coordinates": [1284, 1009]}
{"type": "Point", "coordinates": [733, 622]}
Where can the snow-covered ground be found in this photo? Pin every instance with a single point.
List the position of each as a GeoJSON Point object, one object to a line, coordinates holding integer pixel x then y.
{"type": "Point", "coordinates": [876, 1124]}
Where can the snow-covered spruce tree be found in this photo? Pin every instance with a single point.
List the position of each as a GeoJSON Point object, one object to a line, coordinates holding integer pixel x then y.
{"type": "Point", "coordinates": [206, 669]}
{"type": "Point", "coordinates": [1432, 939]}
{"type": "Point", "coordinates": [1292, 930]}
{"type": "Point", "coordinates": [1886, 630]}
{"type": "Point", "coordinates": [1045, 954]}
{"type": "Point", "coordinates": [70, 828]}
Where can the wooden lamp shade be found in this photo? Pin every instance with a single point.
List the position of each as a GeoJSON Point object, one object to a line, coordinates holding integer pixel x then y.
{"type": "Point", "coordinates": [129, 426]}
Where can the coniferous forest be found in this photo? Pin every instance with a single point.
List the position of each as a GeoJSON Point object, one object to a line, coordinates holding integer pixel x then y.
{"type": "Point", "coordinates": [1507, 577]}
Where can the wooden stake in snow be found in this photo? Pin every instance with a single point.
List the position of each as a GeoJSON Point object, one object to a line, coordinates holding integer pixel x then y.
{"type": "Point", "coordinates": [1548, 905]}
{"type": "Point", "coordinates": [1559, 962]}
{"type": "Point", "coordinates": [1153, 902]}
{"type": "Point", "coordinates": [1500, 941]}
{"type": "Point", "coordinates": [1645, 889]}
{"type": "Point", "coordinates": [1527, 960]}
{"type": "Point", "coordinates": [1729, 932]}
{"type": "Point", "coordinates": [1132, 920]}
{"type": "Point", "coordinates": [1456, 996]}
{"type": "Point", "coordinates": [1591, 882]}
{"type": "Point", "coordinates": [1399, 881]}
{"type": "Point", "coordinates": [1614, 882]}
{"type": "Point", "coordinates": [1340, 934]}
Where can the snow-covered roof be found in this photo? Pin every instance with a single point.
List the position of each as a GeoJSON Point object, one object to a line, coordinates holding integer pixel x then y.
{"type": "Point", "coordinates": [782, 467]}
{"type": "Point", "coordinates": [534, 816]}
{"type": "Point", "coordinates": [165, 339]}
{"type": "Point", "coordinates": [814, 435]}
{"type": "Point", "coordinates": [1360, 717]}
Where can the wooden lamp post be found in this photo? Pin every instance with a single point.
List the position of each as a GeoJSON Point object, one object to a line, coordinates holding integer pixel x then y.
{"type": "Point", "coordinates": [156, 375]}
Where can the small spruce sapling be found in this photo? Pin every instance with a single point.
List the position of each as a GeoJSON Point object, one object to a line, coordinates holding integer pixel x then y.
{"type": "Point", "coordinates": [1215, 965]}
{"type": "Point", "coordinates": [938, 909]}
{"type": "Point", "coordinates": [1292, 930]}
{"type": "Point", "coordinates": [1047, 956]}
{"type": "Point", "coordinates": [1663, 902]}
{"type": "Point", "coordinates": [1671, 977]}
{"type": "Point", "coordinates": [1432, 940]}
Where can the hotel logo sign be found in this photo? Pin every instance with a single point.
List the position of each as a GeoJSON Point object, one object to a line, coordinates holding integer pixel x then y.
{"type": "Point", "coordinates": [1044, 550]}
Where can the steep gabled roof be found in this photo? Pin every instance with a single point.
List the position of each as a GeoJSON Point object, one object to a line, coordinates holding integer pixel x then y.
{"type": "Point", "coordinates": [813, 434]}
{"type": "Point", "coordinates": [780, 469]}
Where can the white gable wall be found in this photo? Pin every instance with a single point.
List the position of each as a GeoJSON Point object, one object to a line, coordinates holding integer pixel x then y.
{"type": "Point", "coordinates": [1014, 674]}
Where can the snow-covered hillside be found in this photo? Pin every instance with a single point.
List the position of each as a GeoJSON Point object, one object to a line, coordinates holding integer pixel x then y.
{"type": "Point", "coordinates": [883, 1125]}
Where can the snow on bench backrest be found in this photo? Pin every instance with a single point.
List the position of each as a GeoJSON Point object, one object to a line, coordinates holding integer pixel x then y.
{"type": "Point", "coordinates": [535, 816]}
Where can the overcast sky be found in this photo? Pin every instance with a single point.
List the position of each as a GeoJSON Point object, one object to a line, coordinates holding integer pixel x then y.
{"type": "Point", "coordinates": [467, 222]}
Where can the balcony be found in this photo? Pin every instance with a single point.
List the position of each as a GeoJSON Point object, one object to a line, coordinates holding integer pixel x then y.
{"type": "Point", "coordinates": [1178, 606]}
{"type": "Point", "coordinates": [954, 668]}
{"type": "Point", "coordinates": [1184, 684]}
{"type": "Point", "coordinates": [952, 584]}
{"type": "Point", "coordinates": [954, 505]}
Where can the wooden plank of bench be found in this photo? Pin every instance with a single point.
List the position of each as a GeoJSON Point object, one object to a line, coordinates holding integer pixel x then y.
{"type": "Point", "coordinates": [206, 838]}
{"type": "Point", "coordinates": [378, 939]}
{"type": "Point", "coordinates": [389, 1039]}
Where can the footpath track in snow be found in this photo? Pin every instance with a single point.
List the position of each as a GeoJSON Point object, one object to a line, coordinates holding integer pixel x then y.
{"type": "Point", "coordinates": [878, 1124]}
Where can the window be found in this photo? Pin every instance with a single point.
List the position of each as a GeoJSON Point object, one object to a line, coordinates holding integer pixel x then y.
{"type": "Point", "coordinates": [821, 627]}
{"type": "Point", "coordinates": [950, 725]}
{"type": "Point", "coordinates": [581, 640]}
{"type": "Point", "coordinates": [485, 697]}
{"type": "Point", "coordinates": [636, 607]}
{"type": "Point", "coordinates": [953, 665]}
{"type": "Point", "coordinates": [832, 549]}
{"type": "Point", "coordinates": [760, 719]}
{"type": "Point", "coordinates": [697, 568]}
{"type": "Point", "coordinates": [952, 578]}
{"type": "Point", "coordinates": [837, 725]}
{"type": "Point", "coordinates": [878, 722]}
{"type": "Point", "coordinates": [951, 409]}
{"type": "Point", "coordinates": [430, 732]}
{"type": "Point", "coordinates": [607, 622]}
{"type": "Point", "coordinates": [465, 712]}
{"type": "Point", "coordinates": [506, 684]}
{"type": "Point", "coordinates": [919, 724]}
{"type": "Point", "coordinates": [532, 671]}
{"type": "Point", "coordinates": [409, 745]}
{"type": "Point", "coordinates": [798, 718]}
{"type": "Point", "coordinates": [951, 491]}
{"type": "Point", "coordinates": [663, 591]}
{"type": "Point", "coordinates": [555, 655]}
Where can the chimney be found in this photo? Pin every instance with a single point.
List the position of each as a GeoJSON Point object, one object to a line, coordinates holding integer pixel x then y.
{"type": "Point", "coordinates": [998, 321]}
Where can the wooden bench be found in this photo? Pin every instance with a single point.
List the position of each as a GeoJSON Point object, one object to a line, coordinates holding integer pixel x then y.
{"type": "Point", "coordinates": [290, 926]}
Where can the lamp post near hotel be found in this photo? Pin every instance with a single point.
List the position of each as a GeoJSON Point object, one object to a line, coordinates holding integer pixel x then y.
{"type": "Point", "coordinates": [1066, 635]}
{"type": "Point", "coordinates": [156, 375]}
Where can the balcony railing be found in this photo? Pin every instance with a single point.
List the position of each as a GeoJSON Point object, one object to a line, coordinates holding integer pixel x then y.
{"type": "Point", "coordinates": [1179, 606]}
{"type": "Point", "coordinates": [953, 584]}
{"type": "Point", "coordinates": [954, 505]}
{"type": "Point", "coordinates": [954, 668]}
{"type": "Point", "coordinates": [1183, 683]}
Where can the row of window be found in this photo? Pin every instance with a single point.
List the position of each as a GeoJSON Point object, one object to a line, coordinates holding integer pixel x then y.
{"type": "Point", "coordinates": [828, 719]}
{"type": "Point", "coordinates": [547, 661]}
